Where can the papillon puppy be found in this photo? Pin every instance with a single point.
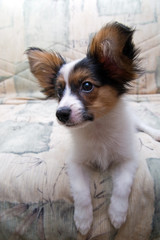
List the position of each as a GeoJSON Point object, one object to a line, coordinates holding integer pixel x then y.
{"type": "Point", "coordinates": [90, 103]}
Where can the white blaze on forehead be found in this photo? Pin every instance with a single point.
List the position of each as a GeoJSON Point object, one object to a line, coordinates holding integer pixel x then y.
{"type": "Point", "coordinates": [69, 99]}
{"type": "Point", "coordinates": [67, 68]}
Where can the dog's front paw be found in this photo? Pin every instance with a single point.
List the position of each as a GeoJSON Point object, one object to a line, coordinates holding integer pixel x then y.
{"type": "Point", "coordinates": [83, 217]}
{"type": "Point", "coordinates": [117, 216]}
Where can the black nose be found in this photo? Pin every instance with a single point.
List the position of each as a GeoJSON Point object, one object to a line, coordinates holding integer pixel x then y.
{"type": "Point", "coordinates": [63, 114]}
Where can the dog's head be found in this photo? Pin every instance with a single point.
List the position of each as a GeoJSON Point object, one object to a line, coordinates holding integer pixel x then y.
{"type": "Point", "coordinates": [88, 88]}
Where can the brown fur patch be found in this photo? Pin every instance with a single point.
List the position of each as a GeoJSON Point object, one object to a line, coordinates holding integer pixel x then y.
{"type": "Point", "coordinates": [45, 66]}
{"type": "Point", "coordinates": [60, 86]}
{"type": "Point", "coordinates": [60, 82]}
{"type": "Point", "coordinates": [101, 100]}
{"type": "Point", "coordinates": [78, 76]}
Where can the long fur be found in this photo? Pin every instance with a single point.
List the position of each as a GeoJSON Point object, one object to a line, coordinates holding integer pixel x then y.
{"type": "Point", "coordinates": [90, 95]}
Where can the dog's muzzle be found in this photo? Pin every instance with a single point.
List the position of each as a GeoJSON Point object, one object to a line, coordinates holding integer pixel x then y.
{"type": "Point", "coordinates": [66, 116]}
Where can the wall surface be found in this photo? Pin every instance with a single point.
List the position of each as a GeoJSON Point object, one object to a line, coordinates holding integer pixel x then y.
{"type": "Point", "coordinates": [66, 26]}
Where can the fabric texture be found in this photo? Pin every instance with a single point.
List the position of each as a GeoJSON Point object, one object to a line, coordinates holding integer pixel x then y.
{"type": "Point", "coordinates": [35, 198]}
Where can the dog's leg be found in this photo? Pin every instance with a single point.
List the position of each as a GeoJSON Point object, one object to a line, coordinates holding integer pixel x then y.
{"type": "Point", "coordinates": [142, 127]}
{"type": "Point", "coordinates": [154, 133]}
{"type": "Point", "coordinates": [122, 175]}
{"type": "Point", "coordinates": [80, 187]}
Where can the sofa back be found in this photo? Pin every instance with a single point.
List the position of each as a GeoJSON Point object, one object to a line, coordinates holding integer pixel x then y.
{"type": "Point", "coordinates": [66, 26]}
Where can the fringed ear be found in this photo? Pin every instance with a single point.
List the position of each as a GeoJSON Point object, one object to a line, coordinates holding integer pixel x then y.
{"type": "Point", "coordinates": [45, 66]}
{"type": "Point", "coordinates": [114, 49]}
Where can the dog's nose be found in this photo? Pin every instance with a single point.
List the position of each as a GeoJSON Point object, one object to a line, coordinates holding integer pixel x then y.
{"type": "Point", "coordinates": [63, 114]}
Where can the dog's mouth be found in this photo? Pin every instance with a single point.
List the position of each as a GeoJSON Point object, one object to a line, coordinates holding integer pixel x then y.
{"type": "Point", "coordinates": [88, 116]}
{"type": "Point", "coordinates": [75, 122]}
{"type": "Point", "coordinates": [73, 125]}
{"type": "Point", "coordinates": [86, 119]}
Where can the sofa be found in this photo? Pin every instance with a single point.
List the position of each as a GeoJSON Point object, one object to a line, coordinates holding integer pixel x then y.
{"type": "Point", "coordinates": [35, 198]}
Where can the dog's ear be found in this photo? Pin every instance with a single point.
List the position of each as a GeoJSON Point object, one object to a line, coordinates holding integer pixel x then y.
{"type": "Point", "coordinates": [45, 66]}
{"type": "Point", "coordinates": [114, 49]}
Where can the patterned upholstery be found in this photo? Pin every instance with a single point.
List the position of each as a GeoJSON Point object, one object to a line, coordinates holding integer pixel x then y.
{"type": "Point", "coordinates": [35, 200]}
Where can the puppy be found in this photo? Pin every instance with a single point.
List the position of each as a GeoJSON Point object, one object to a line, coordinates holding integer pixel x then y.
{"type": "Point", "coordinates": [90, 103]}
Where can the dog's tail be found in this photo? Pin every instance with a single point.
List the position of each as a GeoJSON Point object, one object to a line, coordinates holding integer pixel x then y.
{"type": "Point", "coordinates": [142, 127]}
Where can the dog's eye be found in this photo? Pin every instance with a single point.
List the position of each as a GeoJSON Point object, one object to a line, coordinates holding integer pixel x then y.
{"type": "Point", "coordinates": [87, 87]}
{"type": "Point", "coordinates": [59, 92]}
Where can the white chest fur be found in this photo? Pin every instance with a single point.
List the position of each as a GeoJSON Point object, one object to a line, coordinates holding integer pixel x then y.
{"type": "Point", "coordinates": [106, 139]}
